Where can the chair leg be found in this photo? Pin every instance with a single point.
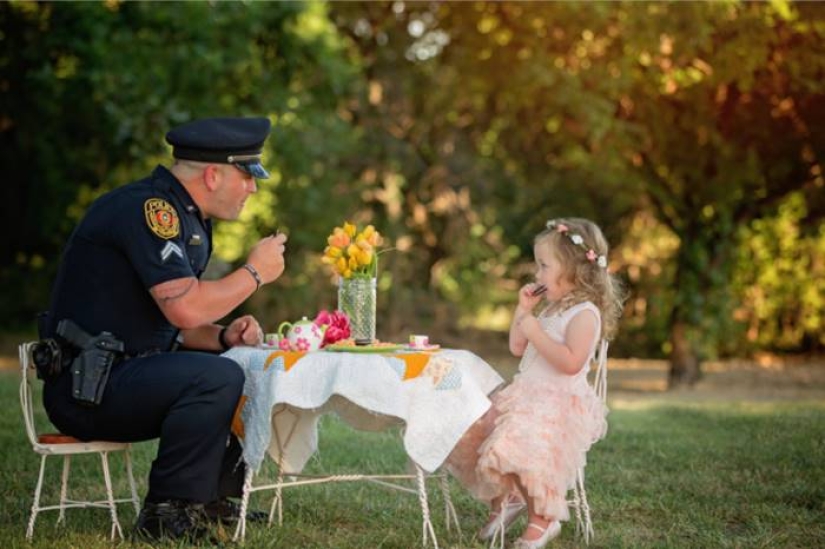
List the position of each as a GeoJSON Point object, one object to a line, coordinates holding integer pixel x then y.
{"type": "Point", "coordinates": [240, 530]}
{"type": "Point", "coordinates": [107, 478]}
{"type": "Point", "coordinates": [584, 519]}
{"type": "Point", "coordinates": [277, 505]}
{"type": "Point", "coordinates": [36, 502]}
{"type": "Point", "coordinates": [427, 524]}
{"type": "Point", "coordinates": [278, 499]}
{"type": "Point", "coordinates": [576, 504]}
{"type": "Point", "coordinates": [132, 486]}
{"type": "Point", "coordinates": [449, 509]}
{"type": "Point", "coordinates": [64, 483]}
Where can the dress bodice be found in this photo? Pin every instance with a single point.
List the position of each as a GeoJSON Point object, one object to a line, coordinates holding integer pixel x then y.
{"type": "Point", "coordinates": [534, 365]}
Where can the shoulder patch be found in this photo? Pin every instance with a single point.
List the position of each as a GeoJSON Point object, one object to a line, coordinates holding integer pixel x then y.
{"type": "Point", "coordinates": [161, 218]}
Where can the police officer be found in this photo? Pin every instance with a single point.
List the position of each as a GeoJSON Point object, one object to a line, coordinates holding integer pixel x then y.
{"type": "Point", "coordinates": [133, 268]}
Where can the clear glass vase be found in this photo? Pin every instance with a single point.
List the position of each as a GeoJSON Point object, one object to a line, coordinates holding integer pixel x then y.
{"type": "Point", "coordinates": [356, 297]}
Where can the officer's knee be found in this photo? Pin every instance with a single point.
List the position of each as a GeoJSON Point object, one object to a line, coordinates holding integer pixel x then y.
{"type": "Point", "coordinates": [224, 375]}
{"type": "Point", "coordinates": [235, 376]}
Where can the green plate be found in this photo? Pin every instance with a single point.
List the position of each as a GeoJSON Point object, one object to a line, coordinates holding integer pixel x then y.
{"type": "Point", "coordinates": [364, 348]}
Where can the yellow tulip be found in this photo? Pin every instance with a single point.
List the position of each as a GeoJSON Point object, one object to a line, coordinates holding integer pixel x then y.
{"type": "Point", "coordinates": [349, 228]}
{"type": "Point", "coordinates": [353, 263]}
{"type": "Point", "coordinates": [333, 252]}
{"type": "Point", "coordinates": [341, 265]}
{"type": "Point", "coordinates": [352, 250]}
{"type": "Point", "coordinates": [374, 237]}
{"type": "Point", "coordinates": [366, 257]}
{"type": "Point", "coordinates": [362, 243]}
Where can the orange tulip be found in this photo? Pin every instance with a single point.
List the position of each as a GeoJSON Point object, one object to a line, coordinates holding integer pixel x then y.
{"type": "Point", "coordinates": [339, 238]}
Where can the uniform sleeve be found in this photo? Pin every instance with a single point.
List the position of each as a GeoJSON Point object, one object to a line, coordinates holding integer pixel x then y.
{"type": "Point", "coordinates": [151, 237]}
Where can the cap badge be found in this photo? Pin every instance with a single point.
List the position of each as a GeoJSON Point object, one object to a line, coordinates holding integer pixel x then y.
{"type": "Point", "coordinates": [161, 218]}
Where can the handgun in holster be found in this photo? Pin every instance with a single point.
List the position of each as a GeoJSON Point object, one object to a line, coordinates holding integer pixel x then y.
{"type": "Point", "coordinates": [90, 368]}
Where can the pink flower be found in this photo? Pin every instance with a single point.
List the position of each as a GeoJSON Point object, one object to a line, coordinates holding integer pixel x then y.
{"type": "Point", "coordinates": [284, 345]}
{"type": "Point", "coordinates": [302, 344]}
{"type": "Point", "coordinates": [337, 323]}
{"type": "Point", "coordinates": [562, 228]}
{"type": "Point", "coordinates": [591, 255]}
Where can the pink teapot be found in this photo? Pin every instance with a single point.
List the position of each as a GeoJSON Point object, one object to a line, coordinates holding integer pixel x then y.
{"type": "Point", "coordinates": [303, 335]}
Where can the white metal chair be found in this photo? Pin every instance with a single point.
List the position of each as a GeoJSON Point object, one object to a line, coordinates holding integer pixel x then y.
{"type": "Point", "coordinates": [584, 524]}
{"type": "Point", "coordinates": [58, 444]}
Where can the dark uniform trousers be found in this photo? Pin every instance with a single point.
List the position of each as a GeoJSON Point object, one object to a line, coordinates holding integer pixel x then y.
{"type": "Point", "coordinates": [187, 399]}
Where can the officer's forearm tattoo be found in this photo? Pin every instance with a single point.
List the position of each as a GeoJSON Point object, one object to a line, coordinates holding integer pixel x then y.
{"type": "Point", "coordinates": [174, 289]}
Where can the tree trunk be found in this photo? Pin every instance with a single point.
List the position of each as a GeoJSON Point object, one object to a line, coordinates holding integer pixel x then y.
{"type": "Point", "coordinates": [685, 367]}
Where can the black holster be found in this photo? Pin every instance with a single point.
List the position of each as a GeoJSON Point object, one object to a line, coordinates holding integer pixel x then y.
{"type": "Point", "coordinates": [90, 368]}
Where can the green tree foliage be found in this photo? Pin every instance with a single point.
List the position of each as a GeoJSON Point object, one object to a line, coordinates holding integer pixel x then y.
{"type": "Point", "coordinates": [690, 131]}
{"type": "Point", "coordinates": [780, 273]}
{"type": "Point", "coordinates": [710, 96]}
{"type": "Point", "coordinates": [89, 90]}
{"type": "Point", "coordinates": [612, 111]}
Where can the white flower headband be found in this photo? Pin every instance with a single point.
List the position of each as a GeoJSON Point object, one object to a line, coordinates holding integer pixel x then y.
{"type": "Point", "coordinates": [577, 239]}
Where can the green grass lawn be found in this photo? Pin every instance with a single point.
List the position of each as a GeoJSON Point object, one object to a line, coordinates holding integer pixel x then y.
{"type": "Point", "coordinates": [669, 474]}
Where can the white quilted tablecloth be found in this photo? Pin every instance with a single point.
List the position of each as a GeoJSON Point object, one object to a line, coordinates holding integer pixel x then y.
{"type": "Point", "coordinates": [369, 392]}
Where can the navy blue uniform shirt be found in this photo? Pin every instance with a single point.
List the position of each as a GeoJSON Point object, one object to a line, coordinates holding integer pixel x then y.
{"type": "Point", "coordinates": [131, 239]}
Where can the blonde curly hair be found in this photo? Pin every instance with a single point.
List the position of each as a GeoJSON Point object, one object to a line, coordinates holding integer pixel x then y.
{"type": "Point", "coordinates": [581, 248]}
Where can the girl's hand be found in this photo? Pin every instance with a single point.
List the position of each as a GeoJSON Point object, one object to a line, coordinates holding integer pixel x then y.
{"type": "Point", "coordinates": [529, 296]}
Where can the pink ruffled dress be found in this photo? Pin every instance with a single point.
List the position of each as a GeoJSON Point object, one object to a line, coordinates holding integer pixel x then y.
{"type": "Point", "coordinates": [539, 429]}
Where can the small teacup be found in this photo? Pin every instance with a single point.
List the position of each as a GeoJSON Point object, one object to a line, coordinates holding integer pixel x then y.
{"type": "Point", "coordinates": [272, 340]}
{"type": "Point", "coordinates": [419, 341]}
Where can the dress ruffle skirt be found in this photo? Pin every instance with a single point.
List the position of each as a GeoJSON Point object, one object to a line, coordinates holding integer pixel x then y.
{"type": "Point", "coordinates": [536, 431]}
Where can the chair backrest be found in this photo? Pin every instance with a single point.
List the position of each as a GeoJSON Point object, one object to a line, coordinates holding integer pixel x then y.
{"type": "Point", "coordinates": [26, 370]}
{"type": "Point", "coordinates": [600, 381]}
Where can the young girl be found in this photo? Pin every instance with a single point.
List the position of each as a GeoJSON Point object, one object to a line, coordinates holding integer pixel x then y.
{"type": "Point", "coordinates": [526, 450]}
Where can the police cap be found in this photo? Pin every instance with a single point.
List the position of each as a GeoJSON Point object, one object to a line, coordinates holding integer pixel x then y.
{"type": "Point", "coordinates": [236, 141]}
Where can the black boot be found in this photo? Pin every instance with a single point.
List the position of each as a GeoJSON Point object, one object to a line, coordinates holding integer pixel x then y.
{"type": "Point", "coordinates": [171, 520]}
{"type": "Point", "coordinates": [226, 511]}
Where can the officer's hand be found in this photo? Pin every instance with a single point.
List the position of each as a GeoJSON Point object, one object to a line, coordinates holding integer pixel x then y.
{"type": "Point", "coordinates": [244, 331]}
{"type": "Point", "coordinates": [267, 256]}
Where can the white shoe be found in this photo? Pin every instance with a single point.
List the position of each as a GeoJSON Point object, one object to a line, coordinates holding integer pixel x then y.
{"type": "Point", "coordinates": [553, 529]}
{"type": "Point", "coordinates": [511, 512]}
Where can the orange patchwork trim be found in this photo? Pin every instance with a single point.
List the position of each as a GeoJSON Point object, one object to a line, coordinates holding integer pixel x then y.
{"type": "Point", "coordinates": [416, 362]}
{"type": "Point", "coordinates": [237, 422]}
{"type": "Point", "coordinates": [290, 358]}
